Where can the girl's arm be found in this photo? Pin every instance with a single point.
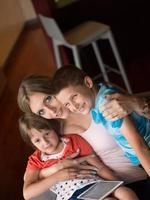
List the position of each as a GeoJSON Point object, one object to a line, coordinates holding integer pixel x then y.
{"type": "Point", "coordinates": [102, 170]}
{"type": "Point", "coordinates": [34, 187]}
{"type": "Point", "coordinates": [137, 143]}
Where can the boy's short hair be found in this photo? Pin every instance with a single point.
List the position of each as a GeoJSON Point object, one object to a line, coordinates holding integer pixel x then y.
{"type": "Point", "coordinates": [67, 75]}
{"type": "Point", "coordinates": [31, 120]}
{"type": "Point", "coordinates": [29, 85]}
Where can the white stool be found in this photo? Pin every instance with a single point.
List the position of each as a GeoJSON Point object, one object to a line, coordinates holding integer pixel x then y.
{"type": "Point", "coordinates": [81, 36]}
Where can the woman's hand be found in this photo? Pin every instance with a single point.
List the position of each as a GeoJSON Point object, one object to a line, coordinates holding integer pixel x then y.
{"type": "Point", "coordinates": [66, 174]}
{"type": "Point", "coordinates": [120, 105]}
{"type": "Point", "coordinates": [80, 162]}
{"type": "Point", "coordinates": [72, 173]}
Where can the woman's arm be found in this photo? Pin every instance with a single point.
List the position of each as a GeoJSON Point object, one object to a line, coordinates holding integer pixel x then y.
{"type": "Point", "coordinates": [102, 170]}
{"type": "Point", "coordinates": [73, 162]}
{"type": "Point", "coordinates": [143, 100]}
{"type": "Point", "coordinates": [120, 105]}
{"type": "Point", "coordinates": [137, 143]}
{"type": "Point", "coordinates": [34, 187]}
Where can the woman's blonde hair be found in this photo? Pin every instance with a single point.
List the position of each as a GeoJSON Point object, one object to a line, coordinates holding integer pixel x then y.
{"type": "Point", "coordinates": [29, 85]}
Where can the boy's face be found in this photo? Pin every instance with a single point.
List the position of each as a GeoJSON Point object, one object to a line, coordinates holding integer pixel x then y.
{"type": "Point", "coordinates": [78, 99]}
{"type": "Point", "coordinates": [47, 106]}
{"type": "Point", "coordinates": [47, 141]}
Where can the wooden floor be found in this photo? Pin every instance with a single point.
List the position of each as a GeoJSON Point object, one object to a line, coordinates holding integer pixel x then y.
{"type": "Point", "coordinates": [30, 56]}
{"type": "Point", "coordinates": [33, 55]}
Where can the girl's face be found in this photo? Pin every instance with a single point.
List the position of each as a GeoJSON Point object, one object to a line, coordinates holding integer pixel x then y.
{"type": "Point", "coordinates": [47, 141]}
{"type": "Point", "coordinates": [78, 99]}
{"type": "Point", "coordinates": [47, 106]}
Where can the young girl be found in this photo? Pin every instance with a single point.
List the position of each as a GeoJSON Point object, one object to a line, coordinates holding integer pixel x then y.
{"type": "Point", "coordinates": [44, 135]}
{"type": "Point", "coordinates": [77, 93]}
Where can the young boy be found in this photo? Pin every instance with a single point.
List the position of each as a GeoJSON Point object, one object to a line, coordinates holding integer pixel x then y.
{"type": "Point", "coordinates": [43, 135]}
{"type": "Point", "coordinates": [77, 92]}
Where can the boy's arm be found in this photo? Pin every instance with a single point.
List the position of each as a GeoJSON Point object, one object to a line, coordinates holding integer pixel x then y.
{"type": "Point", "coordinates": [102, 170]}
{"type": "Point", "coordinates": [137, 143]}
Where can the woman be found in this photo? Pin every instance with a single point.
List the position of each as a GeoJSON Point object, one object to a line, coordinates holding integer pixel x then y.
{"type": "Point", "coordinates": [35, 96]}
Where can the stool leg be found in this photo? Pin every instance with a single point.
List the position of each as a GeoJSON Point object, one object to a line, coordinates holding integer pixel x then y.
{"type": "Point", "coordinates": [76, 57]}
{"type": "Point", "coordinates": [100, 61]}
{"type": "Point", "coordinates": [57, 54]}
{"type": "Point", "coordinates": [118, 59]}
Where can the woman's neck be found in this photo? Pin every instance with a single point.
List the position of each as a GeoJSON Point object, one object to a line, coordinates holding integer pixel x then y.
{"type": "Point", "coordinates": [77, 123]}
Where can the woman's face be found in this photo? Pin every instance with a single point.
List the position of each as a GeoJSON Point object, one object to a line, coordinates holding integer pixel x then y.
{"type": "Point", "coordinates": [47, 106]}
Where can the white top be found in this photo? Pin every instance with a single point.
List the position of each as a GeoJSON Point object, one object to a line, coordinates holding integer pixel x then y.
{"type": "Point", "coordinates": [111, 154]}
{"type": "Point", "coordinates": [65, 189]}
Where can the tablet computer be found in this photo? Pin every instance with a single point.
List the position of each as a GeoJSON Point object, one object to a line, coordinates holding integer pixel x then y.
{"type": "Point", "coordinates": [100, 190]}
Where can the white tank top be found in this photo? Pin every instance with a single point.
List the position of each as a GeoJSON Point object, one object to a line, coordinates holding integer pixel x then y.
{"type": "Point", "coordinates": [111, 154]}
